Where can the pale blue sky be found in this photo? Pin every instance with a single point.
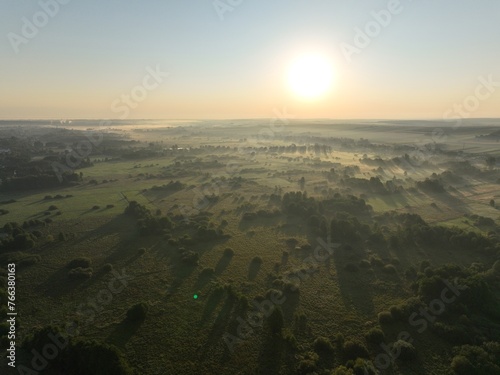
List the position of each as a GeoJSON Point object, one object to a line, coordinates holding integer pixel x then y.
{"type": "Point", "coordinates": [91, 52]}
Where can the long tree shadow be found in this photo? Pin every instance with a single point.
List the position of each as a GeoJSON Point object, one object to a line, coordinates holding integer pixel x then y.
{"type": "Point", "coordinates": [222, 264]}
{"type": "Point", "coordinates": [271, 354]}
{"type": "Point", "coordinates": [211, 305]}
{"type": "Point", "coordinates": [290, 305]}
{"type": "Point", "coordinates": [122, 225]}
{"type": "Point", "coordinates": [123, 333]}
{"type": "Point", "coordinates": [219, 326]}
{"type": "Point", "coordinates": [353, 283]}
{"type": "Point", "coordinates": [253, 270]}
{"type": "Point", "coordinates": [59, 284]}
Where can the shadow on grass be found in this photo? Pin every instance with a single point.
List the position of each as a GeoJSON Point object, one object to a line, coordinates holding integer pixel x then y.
{"type": "Point", "coordinates": [59, 284]}
{"type": "Point", "coordinates": [353, 284]}
{"type": "Point", "coordinates": [219, 327]}
{"type": "Point", "coordinates": [290, 305]}
{"type": "Point", "coordinates": [222, 264]}
{"type": "Point", "coordinates": [270, 356]}
{"type": "Point", "coordinates": [253, 270]}
{"type": "Point", "coordinates": [203, 280]}
{"type": "Point", "coordinates": [211, 305]}
{"type": "Point", "coordinates": [123, 332]}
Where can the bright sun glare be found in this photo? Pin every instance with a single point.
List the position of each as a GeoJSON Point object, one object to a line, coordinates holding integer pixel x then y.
{"type": "Point", "coordinates": [310, 76]}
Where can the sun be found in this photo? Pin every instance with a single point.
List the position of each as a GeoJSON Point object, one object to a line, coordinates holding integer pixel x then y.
{"type": "Point", "coordinates": [310, 76]}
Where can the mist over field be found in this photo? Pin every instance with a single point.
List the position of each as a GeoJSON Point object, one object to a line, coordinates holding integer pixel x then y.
{"type": "Point", "coordinates": [273, 245]}
{"type": "Point", "coordinates": [226, 187]}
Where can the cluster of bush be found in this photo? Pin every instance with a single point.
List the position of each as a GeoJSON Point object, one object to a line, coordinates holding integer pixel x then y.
{"type": "Point", "coordinates": [40, 181]}
{"type": "Point", "coordinates": [431, 186]}
{"type": "Point", "coordinates": [171, 186]}
{"type": "Point", "coordinates": [373, 185]}
{"type": "Point", "coordinates": [80, 269]}
{"type": "Point", "coordinates": [477, 360]}
{"type": "Point", "coordinates": [18, 237]}
{"type": "Point", "coordinates": [414, 231]}
{"type": "Point", "coordinates": [58, 196]}
{"type": "Point", "coordinates": [188, 256]}
{"type": "Point", "coordinates": [147, 223]}
{"type": "Point", "coordinates": [77, 356]}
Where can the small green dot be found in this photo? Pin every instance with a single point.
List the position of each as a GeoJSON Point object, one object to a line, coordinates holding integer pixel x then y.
{"type": "Point", "coordinates": [195, 296]}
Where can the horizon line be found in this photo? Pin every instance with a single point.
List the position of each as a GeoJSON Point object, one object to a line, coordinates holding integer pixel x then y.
{"type": "Point", "coordinates": [250, 118]}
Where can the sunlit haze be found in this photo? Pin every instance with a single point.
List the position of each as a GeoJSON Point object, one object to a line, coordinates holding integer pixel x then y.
{"type": "Point", "coordinates": [321, 59]}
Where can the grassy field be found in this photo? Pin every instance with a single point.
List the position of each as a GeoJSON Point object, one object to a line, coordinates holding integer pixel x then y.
{"type": "Point", "coordinates": [184, 335]}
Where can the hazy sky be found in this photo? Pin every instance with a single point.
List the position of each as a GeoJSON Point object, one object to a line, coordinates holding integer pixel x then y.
{"type": "Point", "coordinates": [429, 56]}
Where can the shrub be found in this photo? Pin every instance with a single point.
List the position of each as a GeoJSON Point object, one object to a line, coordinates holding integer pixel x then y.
{"type": "Point", "coordinates": [306, 366]}
{"type": "Point", "coordinates": [405, 349]}
{"type": "Point", "coordinates": [37, 233]}
{"type": "Point", "coordinates": [397, 313]}
{"type": "Point", "coordinates": [354, 349]}
{"type": "Point", "coordinates": [95, 207]}
{"type": "Point", "coordinates": [79, 262]}
{"type": "Point", "coordinates": [375, 336]}
{"type": "Point", "coordinates": [385, 317]}
{"type": "Point", "coordinates": [462, 366]}
{"type": "Point", "coordinates": [141, 251]}
{"type": "Point", "coordinates": [52, 208]}
{"type": "Point", "coordinates": [80, 273]}
{"type": "Point", "coordinates": [138, 312]}
{"type": "Point", "coordinates": [110, 206]}
{"type": "Point", "coordinates": [323, 347]}
{"type": "Point", "coordinates": [189, 257]}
